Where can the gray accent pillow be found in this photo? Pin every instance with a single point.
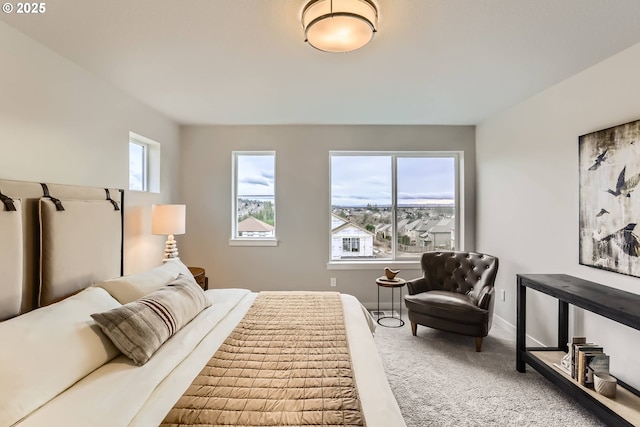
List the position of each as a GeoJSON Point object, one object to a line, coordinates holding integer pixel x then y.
{"type": "Point", "coordinates": [140, 327]}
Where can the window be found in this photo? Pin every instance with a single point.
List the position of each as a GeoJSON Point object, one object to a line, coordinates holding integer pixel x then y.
{"type": "Point", "coordinates": [137, 166]}
{"type": "Point", "coordinates": [144, 164]}
{"type": "Point", "coordinates": [254, 207]}
{"type": "Point", "coordinates": [392, 206]}
{"type": "Point", "coordinates": [350, 244]}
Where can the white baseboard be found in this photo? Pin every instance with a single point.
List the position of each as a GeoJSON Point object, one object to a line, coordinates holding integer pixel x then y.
{"type": "Point", "coordinates": [501, 323]}
{"type": "Point", "coordinates": [511, 329]}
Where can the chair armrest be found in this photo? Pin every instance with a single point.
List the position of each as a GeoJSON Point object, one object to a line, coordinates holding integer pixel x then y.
{"type": "Point", "coordinates": [485, 297]}
{"type": "Point", "coordinates": [418, 285]}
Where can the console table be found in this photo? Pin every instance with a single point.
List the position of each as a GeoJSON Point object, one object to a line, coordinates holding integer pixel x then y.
{"type": "Point", "coordinates": [614, 304]}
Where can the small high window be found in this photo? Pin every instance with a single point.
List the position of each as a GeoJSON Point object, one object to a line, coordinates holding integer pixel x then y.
{"type": "Point", "coordinates": [144, 164]}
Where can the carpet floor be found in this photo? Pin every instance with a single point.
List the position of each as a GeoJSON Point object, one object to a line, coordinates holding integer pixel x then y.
{"type": "Point", "coordinates": [439, 380]}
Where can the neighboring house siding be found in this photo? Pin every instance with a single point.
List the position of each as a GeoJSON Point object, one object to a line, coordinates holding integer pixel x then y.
{"type": "Point", "coordinates": [364, 243]}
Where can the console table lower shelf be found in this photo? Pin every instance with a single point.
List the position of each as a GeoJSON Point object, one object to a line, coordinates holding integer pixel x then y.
{"type": "Point", "coordinates": [625, 404]}
{"type": "Point", "coordinates": [619, 306]}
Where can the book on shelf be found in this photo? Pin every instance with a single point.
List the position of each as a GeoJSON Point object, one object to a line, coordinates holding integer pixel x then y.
{"type": "Point", "coordinates": [595, 362]}
{"type": "Point", "coordinates": [572, 353]}
{"type": "Point", "coordinates": [581, 364]}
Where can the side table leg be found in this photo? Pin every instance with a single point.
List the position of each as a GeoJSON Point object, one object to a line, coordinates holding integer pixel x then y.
{"type": "Point", "coordinates": [392, 304]}
{"type": "Point", "coordinates": [400, 304]}
{"type": "Point", "coordinates": [378, 319]}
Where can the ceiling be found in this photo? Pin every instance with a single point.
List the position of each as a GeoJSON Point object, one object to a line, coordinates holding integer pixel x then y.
{"type": "Point", "coordinates": [245, 61]}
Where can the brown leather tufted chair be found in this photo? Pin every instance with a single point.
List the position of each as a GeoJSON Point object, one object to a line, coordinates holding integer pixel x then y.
{"type": "Point", "coordinates": [456, 293]}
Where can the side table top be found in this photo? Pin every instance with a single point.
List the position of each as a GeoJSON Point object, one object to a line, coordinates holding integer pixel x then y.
{"type": "Point", "coordinates": [396, 282]}
{"type": "Point", "coordinates": [196, 271]}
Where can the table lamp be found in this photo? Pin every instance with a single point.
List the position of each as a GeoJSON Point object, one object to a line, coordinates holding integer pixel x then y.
{"type": "Point", "coordinates": [168, 220]}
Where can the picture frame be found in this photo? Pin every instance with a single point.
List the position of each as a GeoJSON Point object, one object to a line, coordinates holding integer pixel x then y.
{"type": "Point", "coordinates": [609, 199]}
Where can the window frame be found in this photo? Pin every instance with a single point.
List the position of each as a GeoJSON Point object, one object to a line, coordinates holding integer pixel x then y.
{"type": "Point", "coordinates": [145, 165]}
{"type": "Point", "coordinates": [151, 163]}
{"type": "Point", "coordinates": [236, 240]}
{"type": "Point", "coordinates": [456, 155]}
{"type": "Point", "coordinates": [353, 244]}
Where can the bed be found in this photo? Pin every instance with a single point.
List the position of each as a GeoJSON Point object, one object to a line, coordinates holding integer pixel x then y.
{"type": "Point", "coordinates": [62, 264]}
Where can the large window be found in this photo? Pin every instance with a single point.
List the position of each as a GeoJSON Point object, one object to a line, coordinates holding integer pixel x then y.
{"type": "Point", "coordinates": [254, 207]}
{"type": "Point", "coordinates": [392, 206]}
{"type": "Point", "coordinates": [144, 164]}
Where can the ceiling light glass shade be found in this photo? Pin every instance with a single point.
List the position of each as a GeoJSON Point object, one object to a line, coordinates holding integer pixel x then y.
{"type": "Point", "coordinates": [339, 25]}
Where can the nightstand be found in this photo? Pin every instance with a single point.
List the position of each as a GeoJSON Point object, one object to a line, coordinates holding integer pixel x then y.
{"type": "Point", "coordinates": [199, 275]}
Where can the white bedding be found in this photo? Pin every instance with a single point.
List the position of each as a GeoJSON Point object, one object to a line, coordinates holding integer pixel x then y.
{"type": "Point", "coordinates": [121, 393]}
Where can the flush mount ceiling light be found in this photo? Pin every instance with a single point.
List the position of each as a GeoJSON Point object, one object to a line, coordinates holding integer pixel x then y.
{"type": "Point", "coordinates": [339, 25]}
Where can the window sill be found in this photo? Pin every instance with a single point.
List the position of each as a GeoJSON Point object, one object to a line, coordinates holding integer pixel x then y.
{"type": "Point", "coordinates": [373, 265]}
{"type": "Point", "coordinates": [143, 191]}
{"type": "Point", "coordinates": [253, 242]}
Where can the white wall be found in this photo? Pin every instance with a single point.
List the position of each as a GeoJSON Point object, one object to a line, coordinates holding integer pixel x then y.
{"type": "Point", "coordinates": [302, 201]}
{"type": "Point", "coordinates": [527, 210]}
{"type": "Point", "coordinates": [60, 124]}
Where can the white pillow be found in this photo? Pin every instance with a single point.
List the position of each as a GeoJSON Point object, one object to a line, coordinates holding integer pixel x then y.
{"type": "Point", "coordinates": [129, 288]}
{"type": "Point", "coordinates": [47, 350]}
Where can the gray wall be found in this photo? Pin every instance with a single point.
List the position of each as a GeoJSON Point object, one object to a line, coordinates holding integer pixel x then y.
{"type": "Point", "coordinates": [299, 262]}
{"type": "Point", "coordinates": [528, 198]}
{"type": "Point", "coordinates": [61, 124]}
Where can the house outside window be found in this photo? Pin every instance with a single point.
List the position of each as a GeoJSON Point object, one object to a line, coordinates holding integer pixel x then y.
{"type": "Point", "coordinates": [254, 207]}
{"type": "Point", "coordinates": [396, 205]}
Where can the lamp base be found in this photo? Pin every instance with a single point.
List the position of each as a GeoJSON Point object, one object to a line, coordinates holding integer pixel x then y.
{"type": "Point", "coordinates": [170, 249]}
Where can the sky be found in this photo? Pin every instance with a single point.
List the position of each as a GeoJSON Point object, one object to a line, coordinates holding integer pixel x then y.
{"type": "Point", "coordinates": [256, 175]}
{"type": "Point", "coordinates": [362, 180]}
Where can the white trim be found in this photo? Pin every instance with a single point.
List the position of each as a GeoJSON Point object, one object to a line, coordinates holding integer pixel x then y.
{"type": "Point", "coordinates": [456, 155]}
{"type": "Point", "coordinates": [373, 265]}
{"type": "Point", "coordinates": [152, 165]}
{"type": "Point", "coordinates": [253, 242]}
{"type": "Point", "coordinates": [239, 241]}
{"type": "Point", "coordinates": [501, 323]}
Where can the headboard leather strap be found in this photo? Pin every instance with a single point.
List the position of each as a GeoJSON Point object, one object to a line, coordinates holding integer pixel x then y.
{"type": "Point", "coordinates": [8, 203]}
{"type": "Point", "coordinates": [55, 201]}
{"type": "Point", "coordinates": [113, 202]}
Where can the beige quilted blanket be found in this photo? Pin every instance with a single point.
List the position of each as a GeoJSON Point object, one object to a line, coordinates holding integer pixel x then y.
{"type": "Point", "coordinates": [286, 364]}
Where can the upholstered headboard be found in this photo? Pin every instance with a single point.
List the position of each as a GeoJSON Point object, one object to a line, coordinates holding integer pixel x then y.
{"type": "Point", "coordinates": [56, 240]}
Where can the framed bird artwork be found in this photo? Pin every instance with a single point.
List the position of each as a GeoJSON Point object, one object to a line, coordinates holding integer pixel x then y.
{"type": "Point", "coordinates": [609, 174]}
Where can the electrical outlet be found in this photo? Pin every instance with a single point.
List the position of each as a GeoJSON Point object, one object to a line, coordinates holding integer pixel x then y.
{"type": "Point", "coordinates": [503, 294]}
{"type": "Point", "coordinates": [333, 282]}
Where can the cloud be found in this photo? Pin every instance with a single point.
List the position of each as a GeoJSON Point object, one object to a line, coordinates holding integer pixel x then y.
{"type": "Point", "coordinates": [254, 180]}
{"type": "Point", "coordinates": [425, 196]}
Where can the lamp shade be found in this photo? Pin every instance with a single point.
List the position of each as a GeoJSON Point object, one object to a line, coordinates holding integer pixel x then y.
{"type": "Point", "coordinates": [339, 25]}
{"type": "Point", "coordinates": [168, 219]}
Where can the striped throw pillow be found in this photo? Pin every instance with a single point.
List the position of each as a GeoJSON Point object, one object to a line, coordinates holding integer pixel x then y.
{"type": "Point", "coordinates": [140, 327]}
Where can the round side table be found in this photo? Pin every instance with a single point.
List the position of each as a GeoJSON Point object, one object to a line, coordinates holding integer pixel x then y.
{"type": "Point", "coordinates": [396, 283]}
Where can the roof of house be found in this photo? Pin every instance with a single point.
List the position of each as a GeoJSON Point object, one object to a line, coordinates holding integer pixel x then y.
{"type": "Point", "coordinates": [337, 221]}
{"type": "Point", "coordinates": [350, 224]}
{"type": "Point", "coordinates": [254, 224]}
{"type": "Point", "coordinates": [444, 226]}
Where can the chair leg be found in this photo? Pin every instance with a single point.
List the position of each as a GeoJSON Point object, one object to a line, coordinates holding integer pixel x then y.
{"type": "Point", "coordinates": [478, 344]}
{"type": "Point", "coordinates": [414, 328]}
